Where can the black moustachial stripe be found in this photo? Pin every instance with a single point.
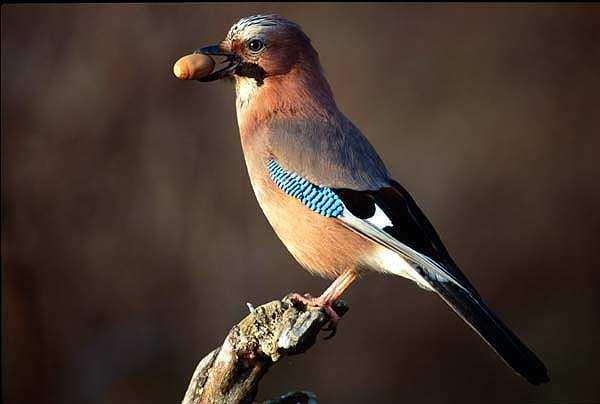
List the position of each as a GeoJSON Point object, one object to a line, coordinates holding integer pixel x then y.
{"type": "Point", "coordinates": [251, 70]}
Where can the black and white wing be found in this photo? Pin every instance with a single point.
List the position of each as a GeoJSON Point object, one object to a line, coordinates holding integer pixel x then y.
{"type": "Point", "coordinates": [391, 218]}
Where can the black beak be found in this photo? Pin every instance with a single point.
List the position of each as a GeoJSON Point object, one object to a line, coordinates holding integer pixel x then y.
{"type": "Point", "coordinates": [232, 61]}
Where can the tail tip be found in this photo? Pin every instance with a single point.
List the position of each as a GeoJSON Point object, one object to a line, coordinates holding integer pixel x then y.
{"type": "Point", "coordinates": [538, 378]}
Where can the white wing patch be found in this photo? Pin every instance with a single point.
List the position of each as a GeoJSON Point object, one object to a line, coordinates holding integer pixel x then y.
{"type": "Point", "coordinates": [379, 219]}
{"type": "Point", "coordinates": [416, 261]}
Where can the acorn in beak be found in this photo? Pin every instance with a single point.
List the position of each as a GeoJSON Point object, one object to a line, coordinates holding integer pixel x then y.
{"type": "Point", "coordinates": [200, 65]}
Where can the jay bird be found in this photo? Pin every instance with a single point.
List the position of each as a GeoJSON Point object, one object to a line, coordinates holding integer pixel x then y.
{"type": "Point", "coordinates": [325, 190]}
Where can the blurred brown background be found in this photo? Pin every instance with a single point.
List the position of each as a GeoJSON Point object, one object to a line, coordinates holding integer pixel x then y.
{"type": "Point", "coordinates": [131, 239]}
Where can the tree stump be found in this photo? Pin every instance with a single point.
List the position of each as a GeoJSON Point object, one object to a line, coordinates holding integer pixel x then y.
{"type": "Point", "coordinates": [231, 373]}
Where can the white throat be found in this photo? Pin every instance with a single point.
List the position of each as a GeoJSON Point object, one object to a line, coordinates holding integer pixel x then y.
{"type": "Point", "coordinates": [245, 89]}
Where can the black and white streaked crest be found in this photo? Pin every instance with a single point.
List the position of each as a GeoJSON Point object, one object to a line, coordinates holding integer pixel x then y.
{"type": "Point", "coordinates": [254, 24]}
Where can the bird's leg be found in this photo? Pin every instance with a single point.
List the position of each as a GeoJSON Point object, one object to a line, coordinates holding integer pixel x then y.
{"type": "Point", "coordinates": [327, 298]}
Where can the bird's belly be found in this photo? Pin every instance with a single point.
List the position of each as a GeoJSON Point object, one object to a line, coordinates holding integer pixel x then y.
{"type": "Point", "coordinates": [320, 244]}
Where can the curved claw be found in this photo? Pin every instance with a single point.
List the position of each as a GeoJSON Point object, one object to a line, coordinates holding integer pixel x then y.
{"type": "Point", "coordinates": [331, 334]}
{"type": "Point", "coordinates": [330, 326]}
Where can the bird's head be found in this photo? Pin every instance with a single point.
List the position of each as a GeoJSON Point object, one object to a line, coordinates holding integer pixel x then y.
{"type": "Point", "coordinates": [258, 47]}
{"type": "Point", "coordinates": [268, 52]}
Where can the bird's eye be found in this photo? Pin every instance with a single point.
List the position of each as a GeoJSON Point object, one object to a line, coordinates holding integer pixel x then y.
{"type": "Point", "coordinates": [255, 45]}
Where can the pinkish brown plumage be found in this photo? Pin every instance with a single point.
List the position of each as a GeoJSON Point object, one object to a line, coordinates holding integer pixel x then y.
{"type": "Point", "coordinates": [324, 189]}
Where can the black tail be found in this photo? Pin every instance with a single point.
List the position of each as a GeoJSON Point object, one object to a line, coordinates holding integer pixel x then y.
{"type": "Point", "coordinates": [472, 309]}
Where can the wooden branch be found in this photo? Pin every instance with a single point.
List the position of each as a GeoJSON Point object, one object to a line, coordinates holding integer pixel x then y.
{"type": "Point", "coordinates": [231, 373]}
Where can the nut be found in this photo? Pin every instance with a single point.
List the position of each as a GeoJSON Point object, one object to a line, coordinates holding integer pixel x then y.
{"type": "Point", "coordinates": [193, 67]}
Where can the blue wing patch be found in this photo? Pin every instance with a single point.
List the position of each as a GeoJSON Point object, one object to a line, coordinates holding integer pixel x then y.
{"type": "Point", "coordinates": [319, 199]}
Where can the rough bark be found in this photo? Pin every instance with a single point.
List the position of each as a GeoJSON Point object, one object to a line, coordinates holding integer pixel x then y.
{"type": "Point", "coordinates": [231, 373]}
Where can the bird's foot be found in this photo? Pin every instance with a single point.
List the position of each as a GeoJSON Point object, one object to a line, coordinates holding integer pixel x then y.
{"type": "Point", "coordinates": [327, 306]}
